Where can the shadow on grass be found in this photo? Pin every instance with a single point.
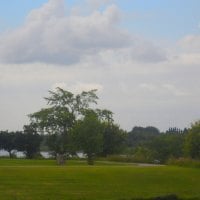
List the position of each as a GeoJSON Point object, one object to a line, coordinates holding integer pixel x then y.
{"type": "Point", "coordinates": [166, 197]}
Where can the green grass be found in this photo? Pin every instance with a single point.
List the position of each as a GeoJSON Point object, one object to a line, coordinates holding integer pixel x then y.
{"type": "Point", "coordinates": [43, 180]}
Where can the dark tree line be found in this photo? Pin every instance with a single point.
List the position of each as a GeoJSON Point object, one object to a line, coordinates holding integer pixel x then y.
{"type": "Point", "coordinates": [27, 141]}
{"type": "Point", "coordinates": [109, 139]}
{"type": "Point", "coordinates": [103, 139]}
{"type": "Point", "coordinates": [150, 144]}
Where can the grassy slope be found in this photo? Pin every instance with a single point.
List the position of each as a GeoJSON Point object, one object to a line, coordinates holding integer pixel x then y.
{"type": "Point", "coordinates": [43, 180]}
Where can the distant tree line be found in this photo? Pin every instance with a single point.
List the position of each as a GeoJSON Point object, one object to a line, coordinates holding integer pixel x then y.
{"type": "Point", "coordinates": [151, 145]}
{"type": "Point", "coordinates": [72, 123]}
{"type": "Point", "coordinates": [27, 141]}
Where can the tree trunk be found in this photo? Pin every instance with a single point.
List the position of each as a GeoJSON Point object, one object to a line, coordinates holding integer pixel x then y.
{"type": "Point", "coordinates": [90, 159]}
{"type": "Point", "coordinates": [60, 159]}
{"type": "Point", "coordinates": [10, 154]}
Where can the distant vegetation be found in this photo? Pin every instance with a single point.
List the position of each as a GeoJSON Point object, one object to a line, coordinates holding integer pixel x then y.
{"type": "Point", "coordinates": [72, 123]}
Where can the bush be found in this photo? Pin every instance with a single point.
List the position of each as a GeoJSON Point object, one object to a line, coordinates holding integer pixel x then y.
{"type": "Point", "coordinates": [184, 162]}
{"type": "Point", "coordinates": [120, 158]}
{"type": "Point", "coordinates": [128, 159]}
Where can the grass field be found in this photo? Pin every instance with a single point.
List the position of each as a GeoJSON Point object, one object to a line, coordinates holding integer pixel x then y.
{"type": "Point", "coordinates": [43, 180]}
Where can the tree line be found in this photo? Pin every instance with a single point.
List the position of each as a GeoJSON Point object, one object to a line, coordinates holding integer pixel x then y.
{"type": "Point", "coordinates": [27, 141]}
{"type": "Point", "coordinates": [72, 123]}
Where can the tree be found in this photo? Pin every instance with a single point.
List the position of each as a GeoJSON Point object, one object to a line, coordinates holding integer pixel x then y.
{"type": "Point", "coordinates": [32, 141]}
{"type": "Point", "coordinates": [113, 136]}
{"type": "Point", "coordinates": [140, 135]}
{"type": "Point", "coordinates": [192, 142]}
{"type": "Point", "coordinates": [113, 139]}
{"type": "Point", "coordinates": [167, 145]}
{"type": "Point", "coordinates": [88, 135]}
{"type": "Point", "coordinates": [58, 119]}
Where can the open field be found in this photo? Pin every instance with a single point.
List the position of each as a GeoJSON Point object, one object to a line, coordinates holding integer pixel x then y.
{"type": "Point", "coordinates": [43, 180]}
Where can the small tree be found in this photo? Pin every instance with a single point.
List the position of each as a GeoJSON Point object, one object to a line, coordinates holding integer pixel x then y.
{"type": "Point", "coordinates": [113, 139]}
{"type": "Point", "coordinates": [88, 135]}
{"type": "Point", "coordinates": [192, 142]}
{"type": "Point", "coordinates": [32, 142]}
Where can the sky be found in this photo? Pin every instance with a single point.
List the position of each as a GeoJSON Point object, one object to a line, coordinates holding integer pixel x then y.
{"type": "Point", "coordinates": [142, 56]}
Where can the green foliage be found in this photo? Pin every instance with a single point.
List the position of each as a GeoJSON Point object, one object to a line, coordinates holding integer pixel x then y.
{"type": "Point", "coordinates": [140, 135]}
{"type": "Point", "coordinates": [113, 139]}
{"type": "Point", "coordinates": [149, 144]}
{"type": "Point", "coordinates": [184, 162]}
{"type": "Point", "coordinates": [143, 155]}
{"type": "Point", "coordinates": [192, 142]}
{"type": "Point", "coordinates": [28, 141]}
{"type": "Point", "coordinates": [176, 130]}
{"type": "Point", "coordinates": [57, 120]}
{"type": "Point", "coordinates": [88, 135]}
{"type": "Point", "coordinates": [167, 145]}
{"type": "Point", "coordinates": [57, 143]}
{"type": "Point", "coordinates": [7, 142]}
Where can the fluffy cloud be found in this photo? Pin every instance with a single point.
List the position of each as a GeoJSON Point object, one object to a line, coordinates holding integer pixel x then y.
{"type": "Point", "coordinates": [190, 44]}
{"type": "Point", "coordinates": [50, 35]}
{"type": "Point", "coordinates": [98, 3]}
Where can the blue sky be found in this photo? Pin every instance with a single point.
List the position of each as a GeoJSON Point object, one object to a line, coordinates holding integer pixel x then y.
{"type": "Point", "coordinates": [137, 53]}
{"type": "Point", "coordinates": [13, 12]}
{"type": "Point", "coordinates": [158, 19]}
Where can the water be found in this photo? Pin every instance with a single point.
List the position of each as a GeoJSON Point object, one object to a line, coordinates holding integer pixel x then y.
{"type": "Point", "coordinates": [44, 154]}
{"type": "Point", "coordinates": [20, 154]}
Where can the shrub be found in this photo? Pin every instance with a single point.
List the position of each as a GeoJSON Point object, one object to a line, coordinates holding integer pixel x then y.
{"type": "Point", "coordinates": [128, 159]}
{"type": "Point", "coordinates": [184, 162]}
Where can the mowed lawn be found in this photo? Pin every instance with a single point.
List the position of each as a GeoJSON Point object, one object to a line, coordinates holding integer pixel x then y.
{"type": "Point", "coordinates": [43, 180]}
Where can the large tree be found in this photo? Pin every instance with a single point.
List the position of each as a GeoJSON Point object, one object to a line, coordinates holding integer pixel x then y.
{"type": "Point", "coordinates": [65, 108]}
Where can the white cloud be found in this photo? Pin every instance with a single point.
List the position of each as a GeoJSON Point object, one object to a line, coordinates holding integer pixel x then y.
{"type": "Point", "coordinates": [54, 9]}
{"type": "Point", "coordinates": [50, 35]}
{"type": "Point", "coordinates": [190, 43]}
{"type": "Point", "coordinates": [164, 89]}
{"type": "Point", "coordinates": [95, 4]}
